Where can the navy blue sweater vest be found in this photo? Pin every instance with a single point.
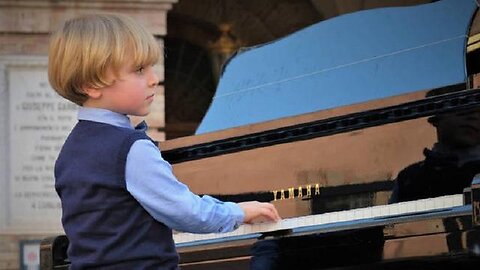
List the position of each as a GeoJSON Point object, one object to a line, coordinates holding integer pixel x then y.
{"type": "Point", "coordinates": [106, 226]}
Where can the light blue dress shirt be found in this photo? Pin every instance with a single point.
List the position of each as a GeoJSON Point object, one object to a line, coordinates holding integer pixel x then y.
{"type": "Point", "coordinates": [150, 180]}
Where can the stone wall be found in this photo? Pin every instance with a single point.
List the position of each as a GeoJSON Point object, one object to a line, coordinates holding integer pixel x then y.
{"type": "Point", "coordinates": [26, 100]}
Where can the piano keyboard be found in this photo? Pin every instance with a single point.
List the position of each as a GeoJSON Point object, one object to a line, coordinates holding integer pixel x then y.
{"type": "Point", "coordinates": [375, 215]}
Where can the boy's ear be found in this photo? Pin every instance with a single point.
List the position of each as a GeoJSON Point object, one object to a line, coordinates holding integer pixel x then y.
{"type": "Point", "coordinates": [93, 93]}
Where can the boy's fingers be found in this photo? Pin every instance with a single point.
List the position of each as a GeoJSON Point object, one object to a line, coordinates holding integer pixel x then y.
{"type": "Point", "coordinates": [259, 212]}
{"type": "Point", "coordinates": [277, 215]}
{"type": "Point", "coordinates": [272, 212]}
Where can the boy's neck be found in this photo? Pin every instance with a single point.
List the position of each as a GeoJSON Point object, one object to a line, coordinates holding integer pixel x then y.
{"type": "Point", "coordinates": [95, 103]}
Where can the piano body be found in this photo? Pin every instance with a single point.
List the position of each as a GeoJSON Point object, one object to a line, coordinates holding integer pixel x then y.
{"type": "Point", "coordinates": [320, 123]}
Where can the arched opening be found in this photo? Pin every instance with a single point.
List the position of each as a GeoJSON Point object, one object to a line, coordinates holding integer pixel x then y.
{"type": "Point", "coordinates": [189, 86]}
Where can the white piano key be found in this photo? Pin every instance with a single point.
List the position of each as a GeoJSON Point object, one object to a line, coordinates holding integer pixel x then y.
{"type": "Point", "coordinates": [255, 227]}
{"type": "Point", "coordinates": [301, 222]}
{"type": "Point", "coordinates": [367, 212]}
{"type": "Point", "coordinates": [317, 219]}
{"type": "Point", "coordinates": [263, 226]}
{"type": "Point", "coordinates": [241, 229]}
{"type": "Point", "coordinates": [402, 207]}
{"type": "Point", "coordinates": [209, 236]}
{"type": "Point", "coordinates": [439, 204]}
{"type": "Point", "coordinates": [356, 214]}
{"type": "Point", "coordinates": [323, 218]}
{"type": "Point", "coordinates": [332, 217]}
{"type": "Point", "coordinates": [196, 237]}
{"type": "Point", "coordinates": [363, 213]}
{"type": "Point", "coordinates": [430, 204]}
{"type": "Point", "coordinates": [410, 207]}
{"type": "Point", "coordinates": [181, 237]}
{"type": "Point", "coordinates": [457, 200]}
{"type": "Point", "coordinates": [349, 215]}
{"type": "Point", "coordinates": [272, 226]}
{"type": "Point", "coordinates": [342, 216]}
{"type": "Point", "coordinates": [279, 225]}
{"type": "Point", "coordinates": [376, 211]}
{"type": "Point", "coordinates": [420, 205]}
{"type": "Point", "coordinates": [308, 220]}
{"type": "Point", "coordinates": [185, 238]}
{"type": "Point", "coordinates": [384, 210]}
{"type": "Point", "coordinates": [290, 223]}
{"type": "Point", "coordinates": [394, 209]}
{"type": "Point", "coordinates": [447, 201]}
{"type": "Point", "coordinates": [311, 221]}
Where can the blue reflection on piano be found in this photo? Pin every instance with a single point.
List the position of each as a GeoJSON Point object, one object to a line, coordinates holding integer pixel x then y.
{"type": "Point", "coordinates": [349, 59]}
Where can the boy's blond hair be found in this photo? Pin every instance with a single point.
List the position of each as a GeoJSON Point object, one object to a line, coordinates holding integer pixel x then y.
{"type": "Point", "coordinates": [86, 48]}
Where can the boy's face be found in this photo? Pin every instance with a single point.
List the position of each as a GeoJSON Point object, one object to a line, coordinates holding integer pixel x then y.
{"type": "Point", "coordinates": [131, 92]}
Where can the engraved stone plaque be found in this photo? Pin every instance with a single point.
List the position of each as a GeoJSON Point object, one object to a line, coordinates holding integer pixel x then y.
{"type": "Point", "coordinates": [39, 122]}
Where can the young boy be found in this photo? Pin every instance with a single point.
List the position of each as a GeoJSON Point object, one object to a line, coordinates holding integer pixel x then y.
{"type": "Point", "coordinates": [120, 199]}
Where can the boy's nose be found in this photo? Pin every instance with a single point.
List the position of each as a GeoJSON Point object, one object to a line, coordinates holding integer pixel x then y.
{"type": "Point", "coordinates": [154, 79]}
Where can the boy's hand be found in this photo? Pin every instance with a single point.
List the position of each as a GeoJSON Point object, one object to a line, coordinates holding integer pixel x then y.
{"type": "Point", "coordinates": [257, 212]}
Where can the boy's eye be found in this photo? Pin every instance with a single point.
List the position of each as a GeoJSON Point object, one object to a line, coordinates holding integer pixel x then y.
{"type": "Point", "coordinates": [140, 69]}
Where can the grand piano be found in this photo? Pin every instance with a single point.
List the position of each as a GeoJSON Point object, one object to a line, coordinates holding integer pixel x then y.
{"type": "Point", "coordinates": [320, 123]}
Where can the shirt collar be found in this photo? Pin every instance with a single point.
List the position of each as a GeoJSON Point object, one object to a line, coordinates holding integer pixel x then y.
{"type": "Point", "coordinates": [104, 116]}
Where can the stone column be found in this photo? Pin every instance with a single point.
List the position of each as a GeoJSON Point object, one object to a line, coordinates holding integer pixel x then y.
{"type": "Point", "coordinates": [34, 120]}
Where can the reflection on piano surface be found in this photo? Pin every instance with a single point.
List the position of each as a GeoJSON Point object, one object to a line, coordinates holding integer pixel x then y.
{"type": "Point", "coordinates": [320, 123]}
{"type": "Point", "coordinates": [450, 165]}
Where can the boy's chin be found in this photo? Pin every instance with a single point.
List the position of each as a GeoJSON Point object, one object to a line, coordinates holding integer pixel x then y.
{"type": "Point", "coordinates": [140, 114]}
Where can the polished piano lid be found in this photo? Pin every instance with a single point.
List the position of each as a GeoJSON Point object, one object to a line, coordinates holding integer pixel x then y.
{"type": "Point", "coordinates": [348, 59]}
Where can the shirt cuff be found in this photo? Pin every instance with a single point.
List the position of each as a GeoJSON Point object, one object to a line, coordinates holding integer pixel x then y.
{"type": "Point", "coordinates": [237, 213]}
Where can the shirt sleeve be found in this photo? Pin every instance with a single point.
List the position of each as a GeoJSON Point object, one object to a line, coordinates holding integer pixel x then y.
{"type": "Point", "coordinates": [150, 180]}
